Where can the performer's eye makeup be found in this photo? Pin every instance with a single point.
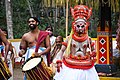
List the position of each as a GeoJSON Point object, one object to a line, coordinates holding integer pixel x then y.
{"type": "Point", "coordinates": [82, 26]}
{"type": "Point", "coordinates": [78, 26]}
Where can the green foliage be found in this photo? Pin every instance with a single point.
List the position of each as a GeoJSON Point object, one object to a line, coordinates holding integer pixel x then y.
{"type": "Point", "coordinates": [2, 14]}
{"type": "Point", "coordinates": [21, 13]}
{"type": "Point", "coordinates": [92, 33]}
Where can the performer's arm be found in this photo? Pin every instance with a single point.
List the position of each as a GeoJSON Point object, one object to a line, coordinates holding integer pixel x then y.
{"type": "Point", "coordinates": [92, 47]}
{"type": "Point", "coordinates": [23, 47]}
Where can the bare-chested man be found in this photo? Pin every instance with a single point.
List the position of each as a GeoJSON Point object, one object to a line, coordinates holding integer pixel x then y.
{"type": "Point", "coordinates": [35, 41]}
{"type": "Point", "coordinates": [30, 39]}
{"type": "Point", "coordinates": [4, 40]}
{"type": "Point", "coordinates": [4, 72]}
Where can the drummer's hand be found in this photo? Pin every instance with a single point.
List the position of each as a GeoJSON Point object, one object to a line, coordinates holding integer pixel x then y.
{"type": "Point", "coordinates": [21, 52]}
{"type": "Point", "coordinates": [5, 60]}
{"type": "Point", "coordinates": [35, 54]}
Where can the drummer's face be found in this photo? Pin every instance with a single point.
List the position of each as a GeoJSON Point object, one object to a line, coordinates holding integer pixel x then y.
{"type": "Point", "coordinates": [32, 23]}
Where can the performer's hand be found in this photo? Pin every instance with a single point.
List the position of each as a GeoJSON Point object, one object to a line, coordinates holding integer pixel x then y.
{"type": "Point", "coordinates": [93, 54]}
{"type": "Point", "coordinates": [59, 65]}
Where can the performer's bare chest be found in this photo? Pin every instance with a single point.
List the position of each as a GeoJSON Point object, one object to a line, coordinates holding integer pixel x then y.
{"type": "Point", "coordinates": [32, 41]}
{"type": "Point", "coordinates": [78, 45]}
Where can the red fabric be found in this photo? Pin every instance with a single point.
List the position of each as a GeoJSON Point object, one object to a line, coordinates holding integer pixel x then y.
{"type": "Point", "coordinates": [84, 67]}
{"type": "Point", "coordinates": [64, 43]}
{"type": "Point", "coordinates": [58, 61]}
{"type": "Point", "coordinates": [41, 37]}
{"type": "Point", "coordinates": [92, 44]}
{"type": "Point", "coordinates": [80, 38]}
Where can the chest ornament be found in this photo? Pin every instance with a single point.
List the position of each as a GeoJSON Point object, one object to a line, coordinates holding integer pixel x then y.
{"type": "Point", "coordinates": [81, 38]}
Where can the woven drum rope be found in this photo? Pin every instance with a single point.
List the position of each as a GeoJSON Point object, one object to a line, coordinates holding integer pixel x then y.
{"type": "Point", "coordinates": [2, 73]}
{"type": "Point", "coordinates": [5, 68]}
{"type": "Point", "coordinates": [35, 73]}
{"type": "Point", "coordinates": [40, 72]}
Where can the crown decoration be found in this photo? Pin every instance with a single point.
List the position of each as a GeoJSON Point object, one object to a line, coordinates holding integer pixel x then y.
{"type": "Point", "coordinates": [81, 12]}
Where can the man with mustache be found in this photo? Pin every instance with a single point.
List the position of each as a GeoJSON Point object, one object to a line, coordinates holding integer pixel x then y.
{"type": "Point", "coordinates": [35, 40]}
{"type": "Point", "coordinates": [57, 47]}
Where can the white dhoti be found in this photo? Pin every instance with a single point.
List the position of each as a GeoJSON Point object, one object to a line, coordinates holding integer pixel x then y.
{"type": "Point", "coordinates": [10, 65]}
{"type": "Point", "coordinates": [67, 73]}
{"type": "Point", "coordinates": [30, 51]}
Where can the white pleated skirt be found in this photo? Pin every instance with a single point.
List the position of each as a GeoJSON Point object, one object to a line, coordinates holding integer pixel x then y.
{"type": "Point", "coordinates": [67, 73]}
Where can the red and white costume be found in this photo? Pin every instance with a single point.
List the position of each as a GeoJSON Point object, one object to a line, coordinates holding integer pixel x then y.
{"type": "Point", "coordinates": [75, 61]}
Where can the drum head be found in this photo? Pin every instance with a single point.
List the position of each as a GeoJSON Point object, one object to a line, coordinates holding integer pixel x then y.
{"type": "Point", "coordinates": [31, 63]}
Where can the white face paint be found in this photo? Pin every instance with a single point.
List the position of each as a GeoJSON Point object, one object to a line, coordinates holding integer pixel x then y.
{"type": "Point", "coordinates": [80, 26]}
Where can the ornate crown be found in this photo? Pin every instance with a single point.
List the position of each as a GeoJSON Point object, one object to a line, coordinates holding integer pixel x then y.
{"type": "Point", "coordinates": [81, 11]}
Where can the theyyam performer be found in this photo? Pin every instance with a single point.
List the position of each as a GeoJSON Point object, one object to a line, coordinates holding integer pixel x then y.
{"type": "Point", "coordinates": [76, 59]}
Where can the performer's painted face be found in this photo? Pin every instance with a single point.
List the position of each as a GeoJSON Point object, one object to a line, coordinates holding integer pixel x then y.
{"type": "Point", "coordinates": [32, 24]}
{"type": "Point", "coordinates": [80, 27]}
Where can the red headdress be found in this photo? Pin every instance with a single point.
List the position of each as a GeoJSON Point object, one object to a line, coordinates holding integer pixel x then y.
{"type": "Point", "coordinates": [81, 11]}
{"type": "Point", "coordinates": [81, 14]}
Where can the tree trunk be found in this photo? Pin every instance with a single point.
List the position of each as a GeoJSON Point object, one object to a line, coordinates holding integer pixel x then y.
{"type": "Point", "coordinates": [30, 9]}
{"type": "Point", "coordinates": [9, 19]}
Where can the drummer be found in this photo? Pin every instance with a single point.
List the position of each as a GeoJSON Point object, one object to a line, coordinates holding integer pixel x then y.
{"type": "Point", "coordinates": [30, 40]}
{"type": "Point", "coordinates": [10, 56]}
{"type": "Point", "coordinates": [4, 40]}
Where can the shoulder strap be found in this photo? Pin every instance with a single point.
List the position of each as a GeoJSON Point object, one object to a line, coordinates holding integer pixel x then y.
{"type": "Point", "coordinates": [41, 37]}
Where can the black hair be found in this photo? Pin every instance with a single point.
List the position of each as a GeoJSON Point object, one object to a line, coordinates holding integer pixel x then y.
{"type": "Point", "coordinates": [35, 18]}
{"type": "Point", "coordinates": [49, 27]}
{"type": "Point", "coordinates": [61, 38]}
{"type": "Point", "coordinates": [5, 30]}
